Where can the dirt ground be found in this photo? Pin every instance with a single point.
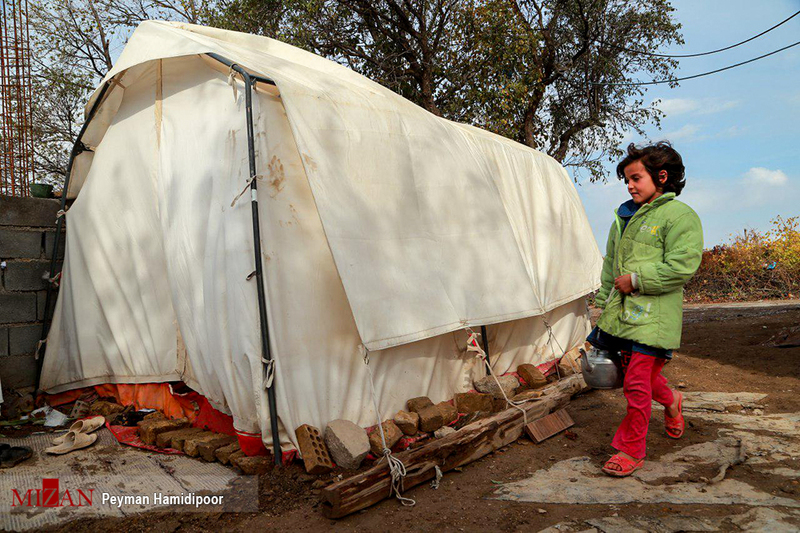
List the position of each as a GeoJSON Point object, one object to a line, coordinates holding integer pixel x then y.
{"type": "Point", "coordinates": [724, 350]}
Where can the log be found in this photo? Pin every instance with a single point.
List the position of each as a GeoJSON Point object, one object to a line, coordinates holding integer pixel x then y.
{"type": "Point", "coordinates": [468, 444]}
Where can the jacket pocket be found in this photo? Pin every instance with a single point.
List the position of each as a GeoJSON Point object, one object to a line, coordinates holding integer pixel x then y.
{"type": "Point", "coordinates": [639, 309]}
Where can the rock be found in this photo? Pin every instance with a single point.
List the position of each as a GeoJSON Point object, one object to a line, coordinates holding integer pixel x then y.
{"type": "Point", "coordinates": [407, 422]}
{"type": "Point", "coordinates": [347, 443]}
{"type": "Point", "coordinates": [449, 412]}
{"type": "Point", "coordinates": [177, 442]}
{"type": "Point", "coordinates": [259, 464]}
{"type": "Point", "coordinates": [149, 430]}
{"type": "Point", "coordinates": [443, 432]}
{"type": "Point", "coordinates": [499, 404]}
{"type": "Point", "coordinates": [473, 402]}
{"type": "Point", "coordinates": [532, 376]}
{"type": "Point", "coordinates": [192, 443]}
{"type": "Point", "coordinates": [224, 453]}
{"type": "Point", "coordinates": [315, 454]}
{"type": "Point", "coordinates": [392, 434]}
{"type": "Point", "coordinates": [430, 418]}
{"type": "Point", "coordinates": [155, 415]}
{"type": "Point", "coordinates": [416, 404]}
{"type": "Point", "coordinates": [164, 440]}
{"type": "Point", "coordinates": [104, 408]}
{"type": "Point", "coordinates": [488, 385]}
{"type": "Point", "coordinates": [206, 449]}
{"type": "Point", "coordinates": [566, 369]}
{"type": "Point", "coordinates": [235, 456]}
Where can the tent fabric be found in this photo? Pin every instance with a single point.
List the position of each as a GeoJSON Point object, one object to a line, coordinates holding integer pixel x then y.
{"type": "Point", "coordinates": [384, 229]}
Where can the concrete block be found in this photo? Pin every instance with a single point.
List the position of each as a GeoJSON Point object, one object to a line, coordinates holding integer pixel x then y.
{"type": "Point", "coordinates": [449, 412]}
{"type": "Point", "coordinates": [19, 243]}
{"type": "Point", "coordinates": [508, 383]}
{"type": "Point", "coordinates": [3, 341]}
{"type": "Point", "coordinates": [164, 440]}
{"type": "Point", "coordinates": [391, 433]}
{"type": "Point", "coordinates": [191, 446]}
{"type": "Point", "coordinates": [18, 371]}
{"type": "Point", "coordinates": [430, 419]}
{"type": "Point", "coordinates": [23, 275]}
{"type": "Point", "coordinates": [179, 441]}
{"type": "Point", "coordinates": [41, 299]}
{"type": "Point", "coordinates": [206, 449]}
{"type": "Point", "coordinates": [315, 454]}
{"type": "Point", "coordinates": [416, 404]}
{"type": "Point", "coordinates": [347, 443]}
{"type": "Point", "coordinates": [235, 456]}
{"type": "Point", "coordinates": [407, 422]}
{"type": "Point", "coordinates": [473, 402]}
{"type": "Point", "coordinates": [49, 239]}
{"type": "Point", "coordinates": [17, 211]}
{"type": "Point", "coordinates": [23, 339]}
{"type": "Point", "coordinates": [149, 430]}
{"type": "Point", "coordinates": [532, 376]}
{"type": "Point", "coordinates": [253, 466]}
{"type": "Point", "coordinates": [224, 453]}
{"type": "Point", "coordinates": [17, 307]}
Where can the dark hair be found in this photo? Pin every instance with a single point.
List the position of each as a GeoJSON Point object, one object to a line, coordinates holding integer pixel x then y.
{"type": "Point", "coordinates": [655, 158]}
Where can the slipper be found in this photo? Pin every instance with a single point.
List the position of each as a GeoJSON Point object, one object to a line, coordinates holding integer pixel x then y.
{"type": "Point", "coordinates": [85, 426]}
{"type": "Point", "coordinates": [675, 426]}
{"type": "Point", "coordinates": [13, 455]}
{"type": "Point", "coordinates": [72, 441]}
{"type": "Point", "coordinates": [621, 466]}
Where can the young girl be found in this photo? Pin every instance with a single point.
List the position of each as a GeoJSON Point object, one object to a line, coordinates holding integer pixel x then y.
{"type": "Point", "coordinates": [654, 247]}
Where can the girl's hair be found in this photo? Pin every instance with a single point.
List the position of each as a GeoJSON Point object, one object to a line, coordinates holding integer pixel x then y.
{"type": "Point", "coordinates": [655, 158]}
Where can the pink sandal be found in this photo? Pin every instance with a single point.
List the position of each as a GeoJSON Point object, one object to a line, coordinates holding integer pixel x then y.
{"type": "Point", "coordinates": [621, 466]}
{"type": "Point", "coordinates": [675, 426]}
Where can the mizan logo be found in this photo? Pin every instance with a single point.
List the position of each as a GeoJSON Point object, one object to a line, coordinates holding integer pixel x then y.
{"type": "Point", "coordinates": [50, 496]}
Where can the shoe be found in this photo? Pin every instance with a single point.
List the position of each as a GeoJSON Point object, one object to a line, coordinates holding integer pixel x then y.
{"type": "Point", "coordinates": [72, 441]}
{"type": "Point", "coordinates": [85, 426]}
{"type": "Point", "coordinates": [675, 426]}
{"type": "Point", "coordinates": [621, 466]}
{"type": "Point", "coordinates": [10, 456]}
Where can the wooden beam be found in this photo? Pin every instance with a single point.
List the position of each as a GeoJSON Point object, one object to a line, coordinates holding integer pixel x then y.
{"type": "Point", "coordinates": [471, 442]}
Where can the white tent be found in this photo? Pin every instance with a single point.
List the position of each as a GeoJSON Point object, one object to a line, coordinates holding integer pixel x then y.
{"type": "Point", "coordinates": [383, 228]}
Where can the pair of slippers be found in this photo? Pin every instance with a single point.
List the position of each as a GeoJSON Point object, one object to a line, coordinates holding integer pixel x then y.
{"type": "Point", "coordinates": [13, 455]}
{"type": "Point", "coordinates": [79, 436]}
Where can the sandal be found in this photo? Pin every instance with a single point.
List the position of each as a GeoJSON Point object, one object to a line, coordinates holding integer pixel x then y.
{"type": "Point", "coordinates": [621, 466]}
{"type": "Point", "coordinates": [675, 426]}
{"type": "Point", "coordinates": [10, 456]}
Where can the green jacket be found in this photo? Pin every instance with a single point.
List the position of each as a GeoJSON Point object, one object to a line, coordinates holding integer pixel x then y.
{"type": "Point", "coordinates": [663, 245]}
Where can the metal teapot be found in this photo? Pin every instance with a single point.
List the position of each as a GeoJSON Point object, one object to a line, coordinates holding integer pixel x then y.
{"type": "Point", "coordinates": [601, 370]}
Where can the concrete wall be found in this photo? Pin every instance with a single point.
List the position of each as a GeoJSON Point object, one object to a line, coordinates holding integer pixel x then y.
{"type": "Point", "coordinates": [27, 230]}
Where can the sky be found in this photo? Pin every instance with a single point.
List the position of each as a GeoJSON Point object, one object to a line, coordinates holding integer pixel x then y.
{"type": "Point", "coordinates": [738, 131]}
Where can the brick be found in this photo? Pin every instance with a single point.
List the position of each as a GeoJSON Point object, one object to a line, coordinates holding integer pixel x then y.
{"type": "Point", "coordinates": [179, 441]}
{"type": "Point", "coordinates": [449, 412]}
{"type": "Point", "coordinates": [532, 376]}
{"type": "Point", "coordinates": [206, 449]}
{"type": "Point", "coordinates": [508, 383]}
{"type": "Point", "coordinates": [407, 422]}
{"type": "Point", "coordinates": [430, 419]}
{"type": "Point", "coordinates": [18, 371]}
{"type": "Point", "coordinates": [23, 275]}
{"type": "Point", "coordinates": [235, 456]}
{"type": "Point", "coordinates": [253, 466]}
{"type": "Point", "coordinates": [18, 211]}
{"type": "Point", "coordinates": [19, 243]}
{"type": "Point", "coordinates": [224, 453]}
{"type": "Point", "coordinates": [313, 449]}
{"type": "Point", "coordinates": [49, 238]}
{"type": "Point", "coordinates": [192, 443]}
{"type": "Point", "coordinates": [104, 408]}
{"type": "Point", "coordinates": [23, 339]}
{"type": "Point", "coordinates": [164, 440]}
{"type": "Point", "coordinates": [391, 433]}
{"type": "Point", "coordinates": [17, 308]}
{"type": "Point", "coordinates": [415, 404]}
{"type": "Point", "coordinates": [473, 402]}
{"type": "Point", "coordinates": [347, 443]}
{"type": "Point", "coordinates": [3, 341]}
{"type": "Point", "coordinates": [149, 430]}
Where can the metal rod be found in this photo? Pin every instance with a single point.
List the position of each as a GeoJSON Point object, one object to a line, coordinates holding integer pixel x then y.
{"type": "Point", "coordinates": [262, 299]}
{"type": "Point", "coordinates": [485, 341]}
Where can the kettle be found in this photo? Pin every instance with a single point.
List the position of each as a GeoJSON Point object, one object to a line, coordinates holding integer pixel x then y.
{"type": "Point", "coordinates": [601, 370]}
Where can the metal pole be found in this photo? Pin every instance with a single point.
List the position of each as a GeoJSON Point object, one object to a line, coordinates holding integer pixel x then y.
{"type": "Point", "coordinates": [485, 342]}
{"type": "Point", "coordinates": [262, 299]}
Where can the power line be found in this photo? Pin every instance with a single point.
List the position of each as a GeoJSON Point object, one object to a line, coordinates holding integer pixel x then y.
{"type": "Point", "coordinates": [702, 74]}
{"type": "Point", "coordinates": [643, 52]}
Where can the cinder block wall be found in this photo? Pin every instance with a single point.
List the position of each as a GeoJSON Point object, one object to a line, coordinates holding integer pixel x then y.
{"type": "Point", "coordinates": [27, 230]}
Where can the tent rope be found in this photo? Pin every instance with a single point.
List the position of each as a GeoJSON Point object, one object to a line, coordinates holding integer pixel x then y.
{"type": "Point", "coordinates": [232, 82]}
{"type": "Point", "coordinates": [396, 467]}
{"type": "Point", "coordinates": [269, 366]}
{"type": "Point", "coordinates": [244, 190]}
{"type": "Point", "coordinates": [551, 337]}
{"type": "Point", "coordinates": [61, 213]}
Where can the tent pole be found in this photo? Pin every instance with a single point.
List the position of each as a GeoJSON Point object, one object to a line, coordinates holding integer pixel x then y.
{"type": "Point", "coordinates": [77, 149]}
{"type": "Point", "coordinates": [262, 299]}
{"type": "Point", "coordinates": [485, 341]}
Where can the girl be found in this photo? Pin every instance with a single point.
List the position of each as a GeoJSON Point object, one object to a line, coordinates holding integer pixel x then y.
{"type": "Point", "coordinates": [654, 247]}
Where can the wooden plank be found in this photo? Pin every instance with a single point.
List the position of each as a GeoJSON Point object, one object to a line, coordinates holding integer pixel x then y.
{"type": "Point", "coordinates": [471, 442]}
{"type": "Point", "coordinates": [547, 426]}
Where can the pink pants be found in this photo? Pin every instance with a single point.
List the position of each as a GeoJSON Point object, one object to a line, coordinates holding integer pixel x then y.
{"type": "Point", "coordinates": [643, 383]}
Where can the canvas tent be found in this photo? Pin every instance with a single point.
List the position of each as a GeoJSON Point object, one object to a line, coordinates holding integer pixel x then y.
{"type": "Point", "coordinates": [383, 229]}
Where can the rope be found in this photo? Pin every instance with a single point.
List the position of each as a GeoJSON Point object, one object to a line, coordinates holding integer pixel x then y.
{"type": "Point", "coordinates": [270, 368]}
{"type": "Point", "coordinates": [396, 467]}
{"type": "Point", "coordinates": [246, 186]}
{"type": "Point", "coordinates": [438, 479]}
{"type": "Point", "coordinates": [561, 348]}
{"type": "Point", "coordinates": [232, 83]}
{"type": "Point", "coordinates": [61, 213]}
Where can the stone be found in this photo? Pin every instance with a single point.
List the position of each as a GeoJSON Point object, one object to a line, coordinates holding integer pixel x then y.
{"type": "Point", "coordinates": [508, 383]}
{"type": "Point", "coordinates": [22, 275]}
{"type": "Point", "coordinates": [164, 440]}
{"type": "Point", "coordinates": [255, 465]}
{"type": "Point", "coordinates": [532, 376]}
{"type": "Point", "coordinates": [347, 443]}
{"type": "Point", "coordinates": [416, 404]}
{"type": "Point", "coordinates": [473, 402]}
{"type": "Point", "coordinates": [207, 449]}
{"type": "Point", "coordinates": [23, 340]}
{"type": "Point", "coordinates": [430, 419]}
{"type": "Point", "coordinates": [104, 408]}
{"type": "Point", "coordinates": [391, 433]}
{"type": "Point", "coordinates": [499, 404]}
{"type": "Point", "coordinates": [224, 453]}
{"type": "Point", "coordinates": [149, 430]}
{"type": "Point", "coordinates": [443, 432]}
{"type": "Point", "coordinates": [19, 243]}
{"type": "Point", "coordinates": [235, 456]}
{"type": "Point", "coordinates": [17, 307]}
{"type": "Point", "coordinates": [19, 211]}
{"type": "Point", "coordinates": [449, 412]}
{"type": "Point", "coordinates": [407, 422]}
{"type": "Point", "coordinates": [155, 415]}
{"type": "Point", "coordinates": [315, 454]}
{"type": "Point", "coordinates": [192, 443]}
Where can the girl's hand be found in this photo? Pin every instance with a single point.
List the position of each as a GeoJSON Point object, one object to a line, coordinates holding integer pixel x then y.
{"type": "Point", "coordinates": [624, 284]}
